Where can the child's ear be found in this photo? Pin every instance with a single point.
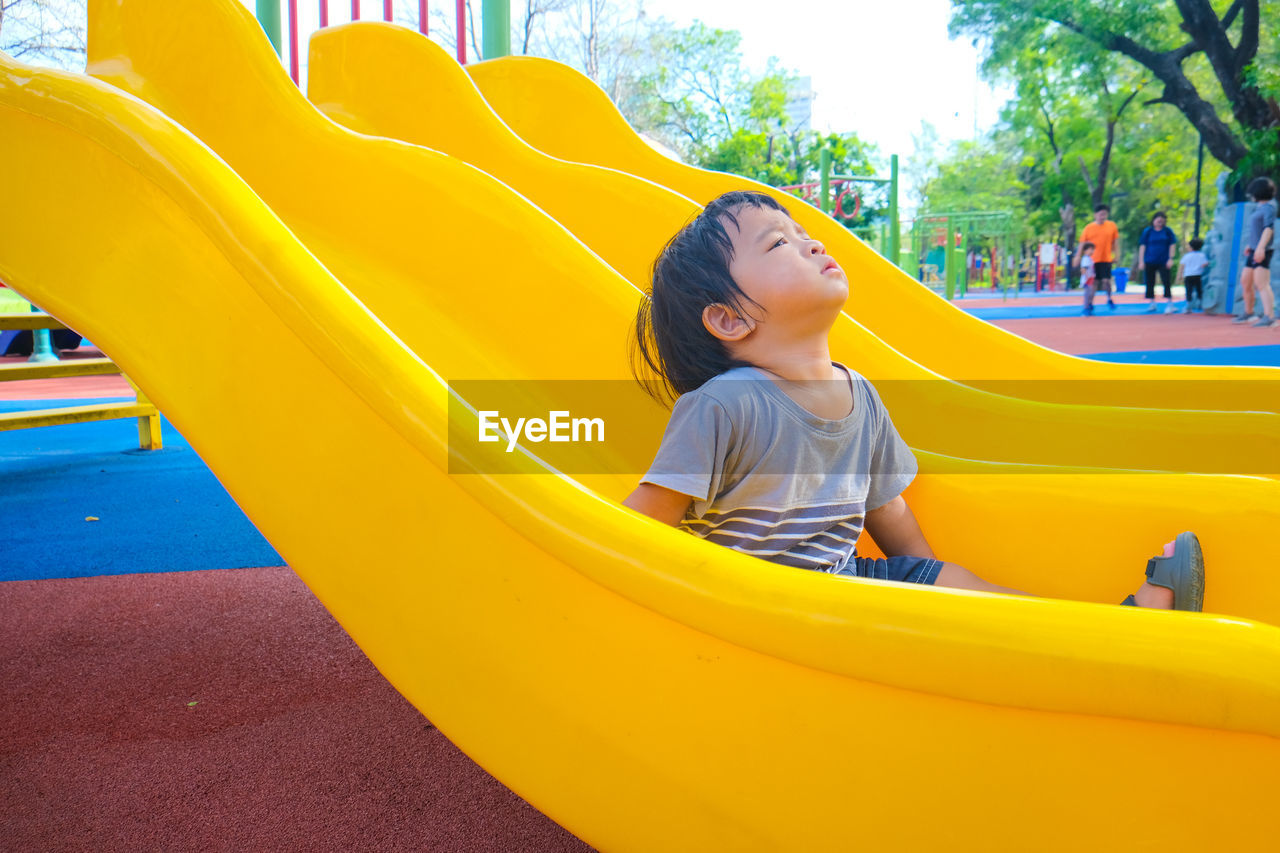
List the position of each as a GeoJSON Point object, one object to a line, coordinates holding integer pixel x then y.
{"type": "Point", "coordinates": [725, 323]}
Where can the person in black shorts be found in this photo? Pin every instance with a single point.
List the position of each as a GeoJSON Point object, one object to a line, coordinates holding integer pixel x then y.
{"type": "Point", "coordinates": [1260, 232]}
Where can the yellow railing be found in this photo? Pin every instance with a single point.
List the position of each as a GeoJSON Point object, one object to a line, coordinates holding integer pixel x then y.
{"type": "Point", "coordinates": [141, 408]}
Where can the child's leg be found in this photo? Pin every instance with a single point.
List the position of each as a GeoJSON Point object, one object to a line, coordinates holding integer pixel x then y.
{"type": "Point", "coordinates": [1262, 284]}
{"type": "Point", "coordinates": [958, 577]}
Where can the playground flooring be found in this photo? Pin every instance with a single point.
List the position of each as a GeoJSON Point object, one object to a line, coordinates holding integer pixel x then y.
{"type": "Point", "coordinates": [159, 709]}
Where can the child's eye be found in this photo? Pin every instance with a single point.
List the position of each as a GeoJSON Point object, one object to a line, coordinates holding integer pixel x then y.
{"type": "Point", "coordinates": [778, 243]}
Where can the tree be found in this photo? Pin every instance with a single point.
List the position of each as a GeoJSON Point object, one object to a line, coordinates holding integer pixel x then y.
{"type": "Point", "coordinates": [50, 32]}
{"type": "Point", "coordinates": [1161, 36]}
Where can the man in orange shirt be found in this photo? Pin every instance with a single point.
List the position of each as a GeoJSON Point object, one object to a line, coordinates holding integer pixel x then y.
{"type": "Point", "coordinates": [1105, 237]}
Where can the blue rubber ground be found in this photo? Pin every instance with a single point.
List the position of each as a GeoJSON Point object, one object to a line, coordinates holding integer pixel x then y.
{"type": "Point", "coordinates": [1032, 311]}
{"type": "Point", "coordinates": [1258, 356]}
{"type": "Point", "coordinates": [158, 512]}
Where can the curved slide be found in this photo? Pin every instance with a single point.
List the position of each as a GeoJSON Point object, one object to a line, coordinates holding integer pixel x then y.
{"type": "Point", "coordinates": [378, 214]}
{"type": "Point", "coordinates": [559, 111]}
{"type": "Point", "coordinates": [389, 81]}
{"type": "Point", "coordinates": [543, 629]}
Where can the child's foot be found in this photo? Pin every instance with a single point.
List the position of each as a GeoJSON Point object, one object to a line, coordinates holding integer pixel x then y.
{"type": "Point", "coordinates": [1175, 580]}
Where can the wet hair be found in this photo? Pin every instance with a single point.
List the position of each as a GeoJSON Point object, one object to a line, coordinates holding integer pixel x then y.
{"type": "Point", "coordinates": [1084, 247]}
{"type": "Point", "coordinates": [1197, 244]}
{"type": "Point", "coordinates": [1105, 207]}
{"type": "Point", "coordinates": [690, 273]}
{"type": "Point", "coordinates": [1262, 188]}
{"type": "Point", "coordinates": [1158, 215]}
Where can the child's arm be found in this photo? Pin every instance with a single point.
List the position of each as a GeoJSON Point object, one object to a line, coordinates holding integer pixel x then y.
{"type": "Point", "coordinates": [659, 503]}
{"type": "Point", "coordinates": [896, 531]}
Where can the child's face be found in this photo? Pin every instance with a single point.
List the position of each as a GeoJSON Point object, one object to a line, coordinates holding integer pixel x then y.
{"type": "Point", "coordinates": [781, 268]}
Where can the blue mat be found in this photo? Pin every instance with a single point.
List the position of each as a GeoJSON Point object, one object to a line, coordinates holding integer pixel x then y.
{"type": "Point", "coordinates": [1027, 312]}
{"type": "Point", "coordinates": [1257, 356]}
{"type": "Point", "coordinates": [160, 511]}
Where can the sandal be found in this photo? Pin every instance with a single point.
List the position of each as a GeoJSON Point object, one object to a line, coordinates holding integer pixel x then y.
{"type": "Point", "coordinates": [1183, 573]}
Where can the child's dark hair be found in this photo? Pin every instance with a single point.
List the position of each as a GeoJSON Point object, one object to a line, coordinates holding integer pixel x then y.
{"type": "Point", "coordinates": [1197, 244]}
{"type": "Point", "coordinates": [1101, 207]}
{"type": "Point", "coordinates": [1262, 188]}
{"type": "Point", "coordinates": [691, 273]}
{"type": "Point", "coordinates": [1159, 214]}
{"type": "Point", "coordinates": [1084, 247]}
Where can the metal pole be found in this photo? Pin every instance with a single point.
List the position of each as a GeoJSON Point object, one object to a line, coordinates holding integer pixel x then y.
{"type": "Point", "coordinates": [824, 171]}
{"type": "Point", "coordinates": [268, 14]}
{"type": "Point", "coordinates": [422, 16]}
{"type": "Point", "coordinates": [324, 13]}
{"type": "Point", "coordinates": [1199, 170]}
{"type": "Point", "coordinates": [355, 10]}
{"type": "Point", "coordinates": [41, 344]}
{"type": "Point", "coordinates": [387, 14]}
{"type": "Point", "coordinates": [495, 23]}
{"type": "Point", "coordinates": [895, 235]}
{"type": "Point", "coordinates": [461, 30]}
{"type": "Point", "coordinates": [293, 41]}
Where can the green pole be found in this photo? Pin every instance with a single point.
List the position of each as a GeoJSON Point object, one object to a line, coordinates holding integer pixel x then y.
{"type": "Point", "coordinates": [41, 344]}
{"type": "Point", "coordinates": [495, 17]}
{"type": "Point", "coordinates": [824, 173]}
{"type": "Point", "coordinates": [895, 236]}
{"type": "Point", "coordinates": [949, 260]}
{"type": "Point", "coordinates": [268, 12]}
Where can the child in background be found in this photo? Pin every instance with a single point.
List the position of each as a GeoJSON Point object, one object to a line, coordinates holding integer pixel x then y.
{"type": "Point", "coordinates": [775, 450]}
{"type": "Point", "coordinates": [1087, 279]}
{"type": "Point", "coordinates": [1190, 270]}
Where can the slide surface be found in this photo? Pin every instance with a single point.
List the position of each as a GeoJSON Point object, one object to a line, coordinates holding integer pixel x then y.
{"type": "Point", "coordinates": [647, 690]}
{"type": "Point", "coordinates": [557, 110]}
{"type": "Point", "coordinates": [387, 80]}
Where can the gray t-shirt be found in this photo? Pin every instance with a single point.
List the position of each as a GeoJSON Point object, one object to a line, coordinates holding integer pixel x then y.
{"type": "Point", "coordinates": [1263, 216]}
{"type": "Point", "coordinates": [773, 480]}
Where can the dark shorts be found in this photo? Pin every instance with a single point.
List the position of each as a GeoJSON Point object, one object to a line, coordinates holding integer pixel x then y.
{"type": "Point", "coordinates": [1193, 284]}
{"type": "Point", "coordinates": [1102, 269]}
{"type": "Point", "coordinates": [1251, 264]}
{"type": "Point", "coordinates": [901, 569]}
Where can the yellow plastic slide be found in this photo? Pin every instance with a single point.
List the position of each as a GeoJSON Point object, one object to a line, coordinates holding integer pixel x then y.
{"type": "Point", "coordinates": [647, 690]}
{"type": "Point", "coordinates": [557, 110]}
{"type": "Point", "coordinates": [387, 80]}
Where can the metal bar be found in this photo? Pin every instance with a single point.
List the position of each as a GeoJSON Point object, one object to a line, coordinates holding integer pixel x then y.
{"type": "Point", "coordinates": [27, 322]}
{"type": "Point", "coordinates": [355, 10]}
{"type": "Point", "coordinates": [268, 14]}
{"type": "Point", "coordinates": [293, 40]}
{"type": "Point", "coordinates": [895, 232]}
{"type": "Point", "coordinates": [460, 12]}
{"type": "Point", "coordinates": [324, 13]}
{"type": "Point", "coordinates": [824, 170]}
{"type": "Point", "coordinates": [56, 369]}
{"type": "Point", "coordinates": [1199, 171]}
{"type": "Point", "coordinates": [386, 11]}
{"type": "Point", "coordinates": [422, 16]}
{"type": "Point", "coordinates": [75, 415]}
{"type": "Point", "coordinates": [496, 28]}
{"type": "Point", "coordinates": [42, 351]}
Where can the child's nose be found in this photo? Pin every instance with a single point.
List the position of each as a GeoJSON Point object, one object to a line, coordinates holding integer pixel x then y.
{"type": "Point", "coordinates": [816, 248]}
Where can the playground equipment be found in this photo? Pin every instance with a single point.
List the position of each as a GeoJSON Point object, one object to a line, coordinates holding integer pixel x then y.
{"type": "Point", "coordinates": [944, 239]}
{"type": "Point", "coordinates": [561, 113]}
{"type": "Point", "coordinates": [44, 364]}
{"type": "Point", "coordinates": [837, 195]}
{"type": "Point", "coordinates": [621, 696]}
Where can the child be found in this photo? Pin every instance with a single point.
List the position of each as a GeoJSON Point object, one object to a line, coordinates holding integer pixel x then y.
{"type": "Point", "coordinates": [772, 448]}
{"type": "Point", "coordinates": [1087, 279]}
{"type": "Point", "coordinates": [1190, 270]}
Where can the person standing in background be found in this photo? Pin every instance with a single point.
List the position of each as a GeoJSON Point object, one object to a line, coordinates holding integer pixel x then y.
{"type": "Point", "coordinates": [1105, 237]}
{"type": "Point", "coordinates": [1156, 248]}
{"type": "Point", "coordinates": [1259, 237]}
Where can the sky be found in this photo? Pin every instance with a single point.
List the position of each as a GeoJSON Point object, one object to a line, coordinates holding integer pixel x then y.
{"type": "Point", "coordinates": [879, 68]}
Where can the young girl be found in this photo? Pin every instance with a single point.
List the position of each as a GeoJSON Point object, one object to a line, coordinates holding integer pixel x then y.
{"type": "Point", "coordinates": [775, 450]}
